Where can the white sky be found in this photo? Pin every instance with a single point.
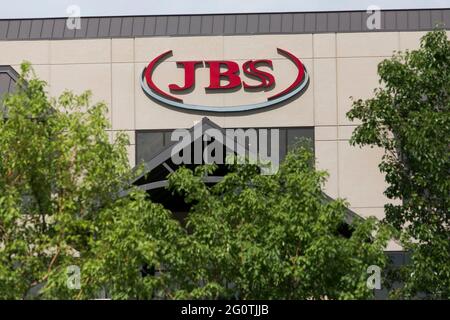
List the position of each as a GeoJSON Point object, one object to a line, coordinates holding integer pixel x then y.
{"type": "Point", "coordinates": [57, 8]}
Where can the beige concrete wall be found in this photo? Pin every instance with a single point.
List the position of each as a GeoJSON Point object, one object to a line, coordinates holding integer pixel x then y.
{"type": "Point", "coordinates": [340, 66]}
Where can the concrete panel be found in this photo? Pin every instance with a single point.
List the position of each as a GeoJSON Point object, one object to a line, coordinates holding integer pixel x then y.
{"type": "Point", "coordinates": [15, 52]}
{"type": "Point", "coordinates": [123, 113]}
{"type": "Point", "coordinates": [360, 181]}
{"type": "Point", "coordinates": [357, 79]}
{"type": "Point", "coordinates": [186, 48]}
{"type": "Point", "coordinates": [325, 92]}
{"type": "Point", "coordinates": [122, 50]}
{"type": "Point", "coordinates": [377, 212]}
{"type": "Point", "coordinates": [345, 132]}
{"type": "Point", "coordinates": [376, 44]}
{"type": "Point", "coordinates": [80, 51]}
{"type": "Point", "coordinates": [265, 46]}
{"type": "Point", "coordinates": [327, 159]}
{"type": "Point", "coordinates": [131, 150]}
{"type": "Point", "coordinates": [325, 133]}
{"type": "Point", "coordinates": [81, 77]}
{"type": "Point", "coordinates": [324, 45]}
{"type": "Point", "coordinates": [410, 40]}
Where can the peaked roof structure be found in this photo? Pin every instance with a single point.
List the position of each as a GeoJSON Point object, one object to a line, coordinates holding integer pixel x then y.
{"type": "Point", "coordinates": [154, 177]}
{"type": "Point", "coordinates": [161, 164]}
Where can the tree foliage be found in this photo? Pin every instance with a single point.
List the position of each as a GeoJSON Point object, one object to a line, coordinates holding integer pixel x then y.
{"type": "Point", "coordinates": [409, 117]}
{"type": "Point", "coordinates": [62, 204]}
{"type": "Point", "coordinates": [273, 237]}
{"type": "Point", "coordinates": [60, 180]}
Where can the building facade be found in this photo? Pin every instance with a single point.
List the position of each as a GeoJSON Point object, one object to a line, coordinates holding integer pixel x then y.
{"type": "Point", "coordinates": [337, 50]}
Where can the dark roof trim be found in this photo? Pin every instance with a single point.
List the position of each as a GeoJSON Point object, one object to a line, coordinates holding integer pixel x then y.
{"type": "Point", "coordinates": [166, 153]}
{"type": "Point", "coordinates": [221, 24]}
{"type": "Point", "coordinates": [8, 83]}
{"type": "Point", "coordinates": [10, 71]}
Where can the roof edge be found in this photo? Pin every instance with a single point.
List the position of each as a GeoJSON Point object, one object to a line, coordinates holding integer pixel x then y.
{"type": "Point", "coordinates": [222, 24]}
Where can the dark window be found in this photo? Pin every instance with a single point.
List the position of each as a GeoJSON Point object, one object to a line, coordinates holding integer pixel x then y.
{"type": "Point", "coordinates": [151, 142]}
{"type": "Point", "coordinates": [295, 134]}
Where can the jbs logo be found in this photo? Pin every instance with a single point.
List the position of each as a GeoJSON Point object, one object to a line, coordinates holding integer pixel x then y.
{"type": "Point", "coordinates": [230, 74]}
{"type": "Point", "coordinates": [224, 76]}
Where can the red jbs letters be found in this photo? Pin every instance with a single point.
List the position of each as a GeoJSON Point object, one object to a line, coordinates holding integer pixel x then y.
{"type": "Point", "coordinates": [225, 75]}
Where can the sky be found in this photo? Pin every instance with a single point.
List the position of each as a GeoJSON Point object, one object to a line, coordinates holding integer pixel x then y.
{"type": "Point", "coordinates": [58, 8]}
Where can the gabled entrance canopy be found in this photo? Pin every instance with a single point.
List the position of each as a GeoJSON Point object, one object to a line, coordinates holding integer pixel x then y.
{"type": "Point", "coordinates": [157, 169]}
{"type": "Point", "coordinates": [154, 177]}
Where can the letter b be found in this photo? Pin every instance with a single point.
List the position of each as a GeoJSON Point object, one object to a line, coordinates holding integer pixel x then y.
{"type": "Point", "coordinates": [231, 75]}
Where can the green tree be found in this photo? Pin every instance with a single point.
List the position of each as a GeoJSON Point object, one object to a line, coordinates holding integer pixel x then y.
{"type": "Point", "coordinates": [60, 181]}
{"type": "Point", "coordinates": [409, 117]}
{"type": "Point", "coordinates": [62, 204]}
{"type": "Point", "coordinates": [272, 237]}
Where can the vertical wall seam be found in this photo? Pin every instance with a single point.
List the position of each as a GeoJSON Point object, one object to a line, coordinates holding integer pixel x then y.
{"type": "Point", "coordinates": [337, 117]}
{"type": "Point", "coordinates": [111, 80]}
{"type": "Point", "coordinates": [134, 98]}
{"type": "Point", "coordinates": [313, 78]}
{"type": "Point", "coordinates": [134, 95]}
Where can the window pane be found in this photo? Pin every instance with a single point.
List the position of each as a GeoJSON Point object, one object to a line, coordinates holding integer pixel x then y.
{"type": "Point", "coordinates": [294, 134]}
{"type": "Point", "coordinates": [148, 145]}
